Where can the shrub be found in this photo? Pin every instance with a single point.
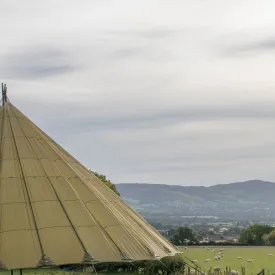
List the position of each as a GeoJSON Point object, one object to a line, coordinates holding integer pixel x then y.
{"type": "Point", "coordinates": [166, 266]}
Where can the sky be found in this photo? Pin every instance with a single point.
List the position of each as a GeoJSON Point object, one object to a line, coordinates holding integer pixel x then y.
{"type": "Point", "coordinates": [168, 92]}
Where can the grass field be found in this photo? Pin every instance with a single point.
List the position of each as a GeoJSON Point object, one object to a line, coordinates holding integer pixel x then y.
{"type": "Point", "coordinates": [259, 255]}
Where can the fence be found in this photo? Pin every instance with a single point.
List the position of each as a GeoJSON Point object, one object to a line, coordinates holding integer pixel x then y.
{"type": "Point", "coordinates": [218, 271]}
{"type": "Point", "coordinates": [267, 271]}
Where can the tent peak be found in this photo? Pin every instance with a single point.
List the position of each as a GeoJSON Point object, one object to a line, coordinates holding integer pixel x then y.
{"type": "Point", "coordinates": [4, 94]}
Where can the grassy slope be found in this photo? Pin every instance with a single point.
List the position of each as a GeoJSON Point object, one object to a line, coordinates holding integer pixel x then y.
{"type": "Point", "coordinates": [244, 192]}
{"type": "Point", "coordinates": [244, 200]}
{"type": "Point", "coordinates": [54, 272]}
{"type": "Point", "coordinates": [258, 254]}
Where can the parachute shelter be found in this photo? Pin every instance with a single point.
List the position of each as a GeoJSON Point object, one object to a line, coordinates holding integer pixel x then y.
{"type": "Point", "coordinates": [54, 211]}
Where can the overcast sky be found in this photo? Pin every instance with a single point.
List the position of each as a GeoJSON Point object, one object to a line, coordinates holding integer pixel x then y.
{"type": "Point", "coordinates": [173, 92]}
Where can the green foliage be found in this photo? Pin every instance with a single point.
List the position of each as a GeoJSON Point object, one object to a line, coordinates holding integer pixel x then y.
{"type": "Point", "coordinates": [266, 239]}
{"type": "Point", "coordinates": [106, 182]}
{"type": "Point", "coordinates": [183, 234]}
{"type": "Point", "coordinates": [173, 201]}
{"type": "Point", "coordinates": [269, 239]}
{"type": "Point", "coordinates": [167, 266]}
{"type": "Point", "coordinates": [236, 230]}
{"type": "Point", "coordinates": [172, 232]}
{"type": "Point", "coordinates": [255, 234]}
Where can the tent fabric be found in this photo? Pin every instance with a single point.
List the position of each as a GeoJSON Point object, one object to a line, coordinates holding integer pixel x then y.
{"type": "Point", "coordinates": [54, 211]}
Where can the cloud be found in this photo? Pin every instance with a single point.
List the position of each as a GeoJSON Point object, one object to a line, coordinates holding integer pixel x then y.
{"type": "Point", "coordinates": [35, 62]}
{"type": "Point", "coordinates": [256, 46]}
{"type": "Point", "coordinates": [149, 32]}
{"type": "Point", "coordinates": [86, 120]}
{"type": "Point", "coordinates": [131, 52]}
{"type": "Point", "coordinates": [139, 91]}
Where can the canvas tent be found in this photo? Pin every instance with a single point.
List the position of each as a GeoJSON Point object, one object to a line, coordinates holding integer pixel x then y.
{"type": "Point", "coordinates": [54, 211]}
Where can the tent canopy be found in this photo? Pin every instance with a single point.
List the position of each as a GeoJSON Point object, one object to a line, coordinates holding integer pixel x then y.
{"type": "Point", "coordinates": [54, 211]}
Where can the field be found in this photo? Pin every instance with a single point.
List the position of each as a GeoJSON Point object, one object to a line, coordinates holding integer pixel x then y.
{"type": "Point", "coordinates": [259, 255]}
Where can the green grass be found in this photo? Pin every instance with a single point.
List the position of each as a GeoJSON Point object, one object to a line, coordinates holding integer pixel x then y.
{"type": "Point", "coordinates": [55, 272]}
{"type": "Point", "coordinates": [259, 255]}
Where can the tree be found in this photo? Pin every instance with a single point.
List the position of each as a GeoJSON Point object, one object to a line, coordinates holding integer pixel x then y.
{"type": "Point", "coordinates": [211, 233]}
{"type": "Point", "coordinates": [106, 182]}
{"type": "Point", "coordinates": [183, 234]}
{"type": "Point", "coordinates": [200, 236]}
{"type": "Point", "coordinates": [266, 239]}
{"type": "Point", "coordinates": [232, 231]}
{"type": "Point", "coordinates": [172, 232]}
{"type": "Point", "coordinates": [269, 239]}
{"type": "Point", "coordinates": [254, 234]}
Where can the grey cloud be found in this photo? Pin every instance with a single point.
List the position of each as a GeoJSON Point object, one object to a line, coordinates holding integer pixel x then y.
{"type": "Point", "coordinates": [141, 50]}
{"type": "Point", "coordinates": [164, 56]}
{"type": "Point", "coordinates": [147, 53]}
{"type": "Point", "coordinates": [149, 32]}
{"type": "Point", "coordinates": [252, 47]}
{"type": "Point", "coordinates": [129, 52]}
{"type": "Point", "coordinates": [236, 153]}
{"type": "Point", "coordinates": [268, 44]}
{"type": "Point", "coordinates": [35, 62]}
{"type": "Point", "coordinates": [187, 114]}
{"type": "Point", "coordinates": [87, 120]}
{"type": "Point", "coordinates": [183, 167]}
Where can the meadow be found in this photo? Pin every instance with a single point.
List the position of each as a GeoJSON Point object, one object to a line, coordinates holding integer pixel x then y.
{"type": "Point", "coordinates": [259, 255]}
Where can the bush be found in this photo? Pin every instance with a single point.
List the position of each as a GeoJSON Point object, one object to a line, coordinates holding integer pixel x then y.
{"type": "Point", "coordinates": [106, 182]}
{"type": "Point", "coordinates": [228, 243]}
{"type": "Point", "coordinates": [165, 266]}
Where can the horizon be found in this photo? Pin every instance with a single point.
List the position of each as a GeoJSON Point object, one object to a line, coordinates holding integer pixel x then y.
{"type": "Point", "coordinates": [236, 182]}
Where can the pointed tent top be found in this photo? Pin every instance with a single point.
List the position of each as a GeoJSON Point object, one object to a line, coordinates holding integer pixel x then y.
{"type": "Point", "coordinates": [4, 94]}
{"type": "Point", "coordinates": [54, 211]}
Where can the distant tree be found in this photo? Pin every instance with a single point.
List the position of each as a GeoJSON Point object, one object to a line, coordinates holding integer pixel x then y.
{"type": "Point", "coordinates": [216, 229]}
{"type": "Point", "coordinates": [183, 234]}
{"type": "Point", "coordinates": [106, 182]}
{"type": "Point", "coordinates": [266, 239]}
{"type": "Point", "coordinates": [254, 234]}
{"type": "Point", "coordinates": [175, 240]}
{"type": "Point", "coordinates": [233, 231]}
{"type": "Point", "coordinates": [199, 236]}
{"type": "Point", "coordinates": [172, 232]}
{"type": "Point", "coordinates": [269, 239]}
{"type": "Point", "coordinates": [186, 233]}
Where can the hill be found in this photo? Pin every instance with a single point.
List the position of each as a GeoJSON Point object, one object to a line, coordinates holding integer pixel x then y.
{"type": "Point", "coordinates": [250, 200]}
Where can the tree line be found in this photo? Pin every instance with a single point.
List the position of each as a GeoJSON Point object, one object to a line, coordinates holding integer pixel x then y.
{"type": "Point", "coordinates": [256, 234]}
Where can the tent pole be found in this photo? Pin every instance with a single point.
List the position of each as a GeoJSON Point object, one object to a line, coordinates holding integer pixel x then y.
{"type": "Point", "coordinates": [4, 94]}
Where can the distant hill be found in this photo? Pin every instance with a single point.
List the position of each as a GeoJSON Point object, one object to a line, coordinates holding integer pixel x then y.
{"type": "Point", "coordinates": [252, 200]}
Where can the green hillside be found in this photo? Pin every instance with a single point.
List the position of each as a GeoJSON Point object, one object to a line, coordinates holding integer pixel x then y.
{"type": "Point", "coordinates": [251, 200]}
